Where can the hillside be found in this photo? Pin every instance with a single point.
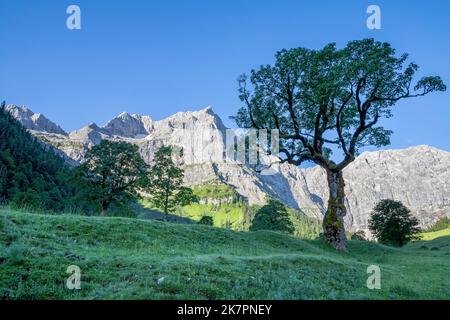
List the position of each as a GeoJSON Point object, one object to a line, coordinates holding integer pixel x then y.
{"type": "Point", "coordinates": [124, 258]}
{"type": "Point", "coordinates": [29, 173]}
{"type": "Point", "coordinates": [417, 176]}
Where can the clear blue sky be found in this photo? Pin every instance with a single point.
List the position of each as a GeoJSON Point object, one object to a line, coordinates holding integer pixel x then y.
{"type": "Point", "coordinates": [160, 57]}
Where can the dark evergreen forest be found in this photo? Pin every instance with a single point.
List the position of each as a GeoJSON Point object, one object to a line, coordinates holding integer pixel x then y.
{"type": "Point", "coordinates": [30, 173]}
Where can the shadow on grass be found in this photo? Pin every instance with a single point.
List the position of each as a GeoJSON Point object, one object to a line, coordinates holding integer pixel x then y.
{"type": "Point", "coordinates": [439, 243]}
{"type": "Point", "coordinates": [151, 214]}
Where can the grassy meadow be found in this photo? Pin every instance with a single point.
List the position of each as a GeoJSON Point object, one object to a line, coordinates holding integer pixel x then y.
{"type": "Point", "coordinates": [123, 258]}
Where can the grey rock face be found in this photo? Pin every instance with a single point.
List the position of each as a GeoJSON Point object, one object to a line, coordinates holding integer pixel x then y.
{"type": "Point", "coordinates": [34, 121]}
{"type": "Point", "coordinates": [417, 176]}
{"type": "Point", "coordinates": [129, 126]}
{"type": "Point", "coordinates": [199, 133]}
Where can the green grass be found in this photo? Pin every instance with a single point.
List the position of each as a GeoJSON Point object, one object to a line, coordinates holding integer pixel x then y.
{"type": "Point", "coordinates": [228, 212]}
{"type": "Point", "coordinates": [223, 214]}
{"type": "Point", "coordinates": [122, 258]}
{"type": "Point", "coordinates": [442, 224]}
{"type": "Point", "coordinates": [214, 191]}
{"type": "Point", "coordinates": [222, 203]}
{"type": "Point", "coordinates": [435, 234]}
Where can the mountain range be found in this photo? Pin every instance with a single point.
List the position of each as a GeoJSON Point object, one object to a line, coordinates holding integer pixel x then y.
{"type": "Point", "coordinates": [418, 176]}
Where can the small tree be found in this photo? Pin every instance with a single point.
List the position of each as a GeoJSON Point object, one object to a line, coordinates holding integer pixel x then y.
{"type": "Point", "coordinates": [272, 216]}
{"type": "Point", "coordinates": [111, 172]}
{"type": "Point", "coordinates": [165, 180]}
{"type": "Point", "coordinates": [392, 223]}
{"type": "Point", "coordinates": [206, 220]}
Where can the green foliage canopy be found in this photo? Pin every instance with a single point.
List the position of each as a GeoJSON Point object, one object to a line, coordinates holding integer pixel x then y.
{"type": "Point", "coordinates": [326, 97]}
{"type": "Point", "coordinates": [392, 223]}
{"type": "Point", "coordinates": [31, 174]}
{"type": "Point", "coordinates": [329, 99]}
{"type": "Point", "coordinates": [206, 220]}
{"type": "Point", "coordinates": [272, 216]}
{"type": "Point", "coordinates": [112, 172]}
{"type": "Point", "coordinates": [165, 180]}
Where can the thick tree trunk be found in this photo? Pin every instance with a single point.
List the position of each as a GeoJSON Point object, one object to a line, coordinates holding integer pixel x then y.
{"type": "Point", "coordinates": [333, 222]}
{"type": "Point", "coordinates": [104, 211]}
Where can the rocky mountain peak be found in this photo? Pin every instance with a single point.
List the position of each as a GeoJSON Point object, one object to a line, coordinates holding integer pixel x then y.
{"type": "Point", "coordinates": [418, 176]}
{"type": "Point", "coordinates": [33, 121]}
{"type": "Point", "coordinates": [127, 125]}
{"type": "Point", "coordinates": [203, 118]}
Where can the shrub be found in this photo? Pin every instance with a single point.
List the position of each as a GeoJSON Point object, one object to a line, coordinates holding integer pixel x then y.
{"type": "Point", "coordinates": [273, 216]}
{"type": "Point", "coordinates": [359, 235]}
{"type": "Point", "coordinates": [206, 220]}
{"type": "Point", "coordinates": [29, 200]}
{"type": "Point", "coordinates": [392, 223]}
{"type": "Point", "coordinates": [122, 209]}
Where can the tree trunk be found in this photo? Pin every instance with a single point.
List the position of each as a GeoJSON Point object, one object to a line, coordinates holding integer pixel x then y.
{"type": "Point", "coordinates": [166, 206]}
{"type": "Point", "coordinates": [333, 222]}
{"type": "Point", "coordinates": [104, 211]}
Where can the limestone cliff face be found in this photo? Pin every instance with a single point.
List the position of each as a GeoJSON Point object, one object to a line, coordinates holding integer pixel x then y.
{"type": "Point", "coordinates": [34, 121]}
{"type": "Point", "coordinates": [417, 176]}
{"type": "Point", "coordinates": [130, 126]}
{"type": "Point", "coordinates": [199, 133]}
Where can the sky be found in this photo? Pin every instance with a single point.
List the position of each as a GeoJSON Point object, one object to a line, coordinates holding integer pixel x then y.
{"type": "Point", "coordinates": [161, 57]}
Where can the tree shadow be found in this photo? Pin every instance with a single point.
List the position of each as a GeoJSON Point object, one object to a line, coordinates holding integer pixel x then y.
{"type": "Point", "coordinates": [152, 214]}
{"type": "Point", "coordinates": [439, 243]}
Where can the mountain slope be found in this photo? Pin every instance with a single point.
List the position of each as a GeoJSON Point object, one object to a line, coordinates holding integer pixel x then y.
{"type": "Point", "coordinates": [417, 176]}
{"type": "Point", "coordinates": [124, 258]}
{"type": "Point", "coordinates": [28, 173]}
{"type": "Point", "coordinates": [33, 121]}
